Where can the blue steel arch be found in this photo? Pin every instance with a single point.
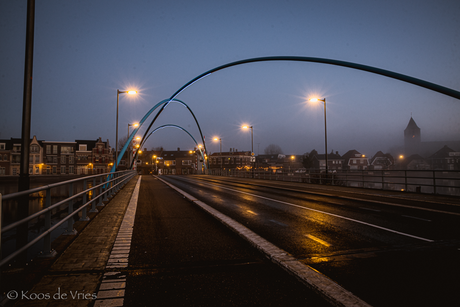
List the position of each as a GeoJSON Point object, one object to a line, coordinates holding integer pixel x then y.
{"type": "Point", "coordinates": [178, 127]}
{"type": "Point", "coordinates": [164, 102]}
{"type": "Point", "coordinates": [375, 70]}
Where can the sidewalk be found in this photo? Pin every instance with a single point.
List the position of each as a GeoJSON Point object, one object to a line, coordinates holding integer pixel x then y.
{"type": "Point", "coordinates": [73, 278]}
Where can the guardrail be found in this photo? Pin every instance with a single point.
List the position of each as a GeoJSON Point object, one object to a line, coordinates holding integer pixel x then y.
{"type": "Point", "coordinates": [443, 182]}
{"type": "Point", "coordinates": [109, 184]}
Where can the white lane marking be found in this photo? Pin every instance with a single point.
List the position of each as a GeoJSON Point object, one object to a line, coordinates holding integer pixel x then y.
{"type": "Point", "coordinates": [370, 209]}
{"type": "Point", "coordinates": [417, 218]}
{"type": "Point", "coordinates": [318, 240]}
{"type": "Point", "coordinates": [320, 283]}
{"type": "Point", "coordinates": [331, 214]}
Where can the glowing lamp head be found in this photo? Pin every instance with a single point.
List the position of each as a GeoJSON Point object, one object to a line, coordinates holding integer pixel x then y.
{"type": "Point", "coordinates": [132, 92]}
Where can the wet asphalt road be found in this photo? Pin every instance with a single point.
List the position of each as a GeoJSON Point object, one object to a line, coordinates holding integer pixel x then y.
{"type": "Point", "coordinates": [181, 256]}
{"type": "Point", "coordinates": [386, 255]}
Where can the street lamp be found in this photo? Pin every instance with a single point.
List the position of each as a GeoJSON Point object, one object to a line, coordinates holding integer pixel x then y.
{"type": "Point", "coordinates": [325, 129]}
{"type": "Point", "coordinates": [219, 139]}
{"type": "Point", "coordinates": [116, 136]}
{"type": "Point", "coordinates": [252, 146]}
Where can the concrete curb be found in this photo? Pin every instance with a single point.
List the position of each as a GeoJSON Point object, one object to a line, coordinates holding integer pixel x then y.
{"type": "Point", "coordinates": [330, 290]}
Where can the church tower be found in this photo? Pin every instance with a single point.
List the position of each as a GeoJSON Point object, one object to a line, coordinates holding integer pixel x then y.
{"type": "Point", "coordinates": [412, 138]}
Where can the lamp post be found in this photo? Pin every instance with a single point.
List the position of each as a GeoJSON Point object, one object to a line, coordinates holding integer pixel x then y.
{"type": "Point", "coordinates": [325, 129]}
{"type": "Point", "coordinates": [220, 140]}
{"type": "Point", "coordinates": [116, 135]}
{"type": "Point", "coordinates": [130, 153]}
{"type": "Point", "coordinates": [252, 146]}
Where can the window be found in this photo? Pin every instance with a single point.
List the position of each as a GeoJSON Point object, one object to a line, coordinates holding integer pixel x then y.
{"type": "Point", "coordinates": [71, 169]}
{"type": "Point", "coordinates": [37, 159]}
{"type": "Point", "coordinates": [48, 149]}
{"type": "Point", "coordinates": [34, 149]}
{"type": "Point", "coordinates": [62, 169]}
{"type": "Point", "coordinates": [189, 162]}
{"type": "Point", "coordinates": [54, 169]}
{"type": "Point", "coordinates": [55, 149]}
{"type": "Point", "coordinates": [82, 147]}
{"type": "Point", "coordinates": [2, 171]}
{"type": "Point", "coordinates": [2, 146]}
{"type": "Point", "coordinates": [66, 149]}
{"type": "Point", "coordinates": [37, 170]}
{"type": "Point", "coordinates": [71, 160]}
{"type": "Point", "coordinates": [62, 159]}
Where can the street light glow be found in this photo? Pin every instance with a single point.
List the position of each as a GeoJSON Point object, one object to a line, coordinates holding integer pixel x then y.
{"type": "Point", "coordinates": [132, 92]}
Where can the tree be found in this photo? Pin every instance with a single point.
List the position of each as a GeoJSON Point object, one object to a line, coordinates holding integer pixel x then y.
{"type": "Point", "coordinates": [273, 149]}
{"type": "Point", "coordinates": [307, 160]}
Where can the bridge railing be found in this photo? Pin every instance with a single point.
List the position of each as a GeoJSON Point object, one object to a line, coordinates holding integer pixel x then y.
{"type": "Point", "coordinates": [96, 189]}
{"type": "Point", "coordinates": [443, 182]}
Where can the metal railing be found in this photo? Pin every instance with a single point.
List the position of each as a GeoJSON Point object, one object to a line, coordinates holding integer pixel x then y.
{"type": "Point", "coordinates": [97, 193]}
{"type": "Point", "coordinates": [443, 182]}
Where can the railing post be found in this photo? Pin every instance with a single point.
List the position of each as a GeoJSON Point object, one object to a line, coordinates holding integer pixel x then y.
{"type": "Point", "coordinates": [84, 217]}
{"type": "Point", "coordinates": [100, 204]}
{"type": "Point", "coordinates": [47, 251]}
{"type": "Point", "coordinates": [405, 180]}
{"type": "Point", "coordinates": [93, 203]}
{"type": "Point", "coordinates": [106, 189]}
{"type": "Point", "coordinates": [383, 181]}
{"type": "Point", "coordinates": [70, 230]}
{"type": "Point", "coordinates": [434, 182]}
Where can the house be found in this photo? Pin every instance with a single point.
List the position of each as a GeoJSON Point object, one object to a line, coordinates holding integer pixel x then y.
{"type": "Point", "coordinates": [381, 161]}
{"type": "Point", "coordinates": [93, 157]}
{"type": "Point", "coordinates": [10, 156]}
{"type": "Point", "coordinates": [354, 160]}
{"type": "Point", "coordinates": [170, 162]}
{"type": "Point", "coordinates": [414, 162]}
{"type": "Point", "coordinates": [231, 160]}
{"type": "Point", "coordinates": [59, 158]}
{"type": "Point", "coordinates": [334, 161]}
{"type": "Point", "coordinates": [445, 159]}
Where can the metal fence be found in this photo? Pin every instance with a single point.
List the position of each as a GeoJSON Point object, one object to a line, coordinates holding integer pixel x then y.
{"type": "Point", "coordinates": [95, 190]}
{"type": "Point", "coordinates": [441, 182]}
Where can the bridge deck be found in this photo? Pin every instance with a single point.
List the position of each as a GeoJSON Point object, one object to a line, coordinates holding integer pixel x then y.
{"type": "Point", "coordinates": [178, 255]}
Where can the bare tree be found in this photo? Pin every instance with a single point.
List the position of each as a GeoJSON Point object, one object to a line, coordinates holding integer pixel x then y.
{"type": "Point", "coordinates": [273, 149]}
{"type": "Point", "coordinates": [121, 142]}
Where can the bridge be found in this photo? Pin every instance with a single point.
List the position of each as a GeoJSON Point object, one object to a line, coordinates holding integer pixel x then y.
{"type": "Point", "coordinates": [210, 240]}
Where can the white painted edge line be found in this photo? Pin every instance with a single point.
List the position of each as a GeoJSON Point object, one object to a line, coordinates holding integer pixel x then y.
{"type": "Point", "coordinates": [333, 292]}
{"type": "Point", "coordinates": [114, 296]}
{"type": "Point", "coordinates": [373, 201]}
{"type": "Point", "coordinates": [327, 213]}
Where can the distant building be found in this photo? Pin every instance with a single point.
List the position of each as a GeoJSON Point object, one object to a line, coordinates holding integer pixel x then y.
{"type": "Point", "coordinates": [445, 159]}
{"type": "Point", "coordinates": [280, 163]}
{"type": "Point", "coordinates": [414, 162]}
{"type": "Point", "coordinates": [413, 142]}
{"type": "Point", "coordinates": [381, 161]}
{"type": "Point", "coordinates": [231, 160]}
{"type": "Point", "coordinates": [412, 138]}
{"type": "Point", "coordinates": [334, 161]}
{"type": "Point", "coordinates": [354, 160]}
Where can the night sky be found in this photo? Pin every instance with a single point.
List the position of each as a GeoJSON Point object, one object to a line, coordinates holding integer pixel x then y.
{"type": "Point", "coordinates": [85, 50]}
